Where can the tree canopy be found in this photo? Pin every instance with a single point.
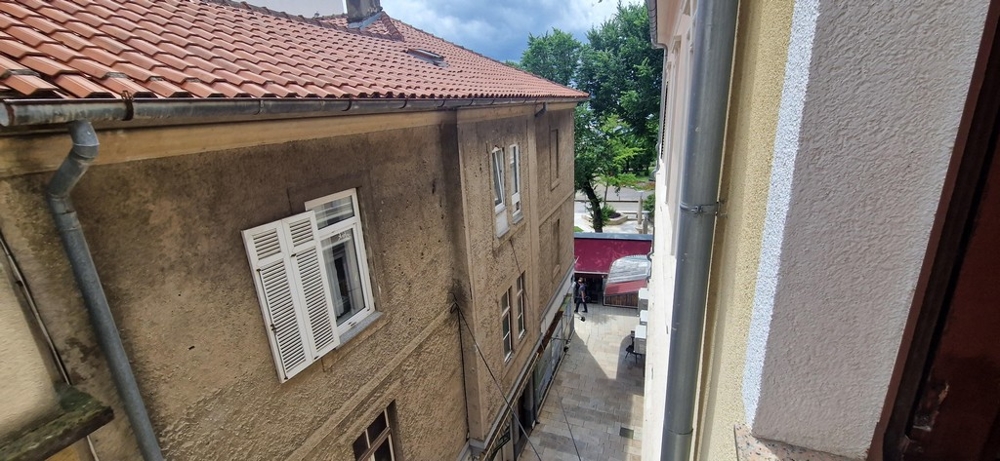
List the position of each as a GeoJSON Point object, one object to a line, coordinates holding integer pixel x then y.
{"type": "Point", "coordinates": [615, 133]}
{"type": "Point", "coordinates": [555, 56]}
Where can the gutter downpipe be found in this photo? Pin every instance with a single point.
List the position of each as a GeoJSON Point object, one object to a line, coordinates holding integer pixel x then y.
{"type": "Point", "coordinates": [83, 153]}
{"type": "Point", "coordinates": [715, 34]}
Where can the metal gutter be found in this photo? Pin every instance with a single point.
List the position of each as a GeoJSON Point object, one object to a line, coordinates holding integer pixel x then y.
{"type": "Point", "coordinates": [711, 75]}
{"type": "Point", "coordinates": [82, 154]}
{"type": "Point", "coordinates": [22, 112]}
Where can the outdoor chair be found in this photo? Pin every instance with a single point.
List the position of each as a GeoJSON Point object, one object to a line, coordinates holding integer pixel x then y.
{"type": "Point", "coordinates": [630, 349]}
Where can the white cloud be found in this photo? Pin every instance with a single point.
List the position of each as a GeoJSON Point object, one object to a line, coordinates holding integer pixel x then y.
{"type": "Point", "coordinates": [498, 29]}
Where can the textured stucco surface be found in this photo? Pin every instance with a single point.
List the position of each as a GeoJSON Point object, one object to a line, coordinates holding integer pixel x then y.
{"type": "Point", "coordinates": [878, 126]}
{"type": "Point", "coordinates": [165, 237]}
{"type": "Point", "coordinates": [786, 144]}
{"type": "Point", "coordinates": [25, 383]}
{"type": "Point", "coordinates": [759, 64]}
{"type": "Point", "coordinates": [527, 247]}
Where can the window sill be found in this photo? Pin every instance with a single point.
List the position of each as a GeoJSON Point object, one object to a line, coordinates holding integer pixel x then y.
{"type": "Point", "coordinates": [750, 448]}
{"type": "Point", "coordinates": [81, 415]}
{"type": "Point", "coordinates": [356, 330]}
{"type": "Point", "coordinates": [350, 339]}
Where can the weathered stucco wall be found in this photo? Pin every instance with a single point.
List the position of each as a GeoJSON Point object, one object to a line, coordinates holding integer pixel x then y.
{"type": "Point", "coordinates": [759, 64]}
{"type": "Point", "coordinates": [165, 235]}
{"type": "Point", "coordinates": [496, 262]}
{"type": "Point", "coordinates": [555, 204]}
{"type": "Point", "coordinates": [863, 141]}
{"type": "Point", "coordinates": [25, 383]}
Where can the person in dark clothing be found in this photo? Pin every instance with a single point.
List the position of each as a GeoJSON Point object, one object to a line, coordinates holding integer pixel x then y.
{"type": "Point", "coordinates": [580, 295]}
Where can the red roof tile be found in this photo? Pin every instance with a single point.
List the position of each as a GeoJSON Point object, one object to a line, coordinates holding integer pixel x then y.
{"type": "Point", "coordinates": [81, 87]}
{"type": "Point", "coordinates": [219, 48]}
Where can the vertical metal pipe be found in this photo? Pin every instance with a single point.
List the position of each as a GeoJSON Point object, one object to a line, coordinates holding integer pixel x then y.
{"type": "Point", "coordinates": [80, 157]}
{"type": "Point", "coordinates": [715, 33]}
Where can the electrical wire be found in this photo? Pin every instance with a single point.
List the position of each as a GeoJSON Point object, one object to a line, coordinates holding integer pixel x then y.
{"type": "Point", "coordinates": [30, 301]}
{"type": "Point", "coordinates": [568, 426]}
{"type": "Point", "coordinates": [495, 381]}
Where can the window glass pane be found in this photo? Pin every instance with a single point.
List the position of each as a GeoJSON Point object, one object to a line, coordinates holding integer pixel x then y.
{"type": "Point", "coordinates": [340, 255]}
{"type": "Point", "coordinates": [384, 452]}
{"type": "Point", "coordinates": [508, 344]}
{"type": "Point", "coordinates": [498, 178]}
{"type": "Point", "coordinates": [377, 426]}
{"type": "Point", "coordinates": [360, 446]}
{"type": "Point", "coordinates": [516, 166]}
{"type": "Point", "coordinates": [334, 212]}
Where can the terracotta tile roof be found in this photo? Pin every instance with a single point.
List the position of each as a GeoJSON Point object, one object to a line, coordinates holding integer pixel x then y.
{"type": "Point", "coordinates": [220, 49]}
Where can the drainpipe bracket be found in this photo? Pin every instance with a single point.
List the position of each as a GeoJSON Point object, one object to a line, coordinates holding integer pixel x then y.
{"type": "Point", "coordinates": [714, 208]}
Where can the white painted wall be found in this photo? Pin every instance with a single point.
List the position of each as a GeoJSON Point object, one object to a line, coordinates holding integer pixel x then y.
{"type": "Point", "coordinates": [674, 112]}
{"type": "Point", "coordinates": [854, 188]}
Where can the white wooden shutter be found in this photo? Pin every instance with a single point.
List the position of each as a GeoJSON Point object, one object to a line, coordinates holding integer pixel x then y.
{"type": "Point", "coordinates": [293, 291]}
{"type": "Point", "coordinates": [314, 289]}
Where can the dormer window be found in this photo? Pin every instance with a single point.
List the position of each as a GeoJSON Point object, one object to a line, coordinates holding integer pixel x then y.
{"type": "Point", "coordinates": [428, 56]}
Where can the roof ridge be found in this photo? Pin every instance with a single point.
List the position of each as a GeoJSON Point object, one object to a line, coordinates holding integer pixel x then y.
{"type": "Point", "coordinates": [270, 12]}
{"type": "Point", "coordinates": [382, 18]}
{"type": "Point", "coordinates": [320, 21]}
{"type": "Point", "coordinates": [486, 57]}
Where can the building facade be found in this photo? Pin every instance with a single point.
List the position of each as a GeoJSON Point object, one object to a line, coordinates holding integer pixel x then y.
{"type": "Point", "coordinates": [839, 130]}
{"type": "Point", "coordinates": [343, 268]}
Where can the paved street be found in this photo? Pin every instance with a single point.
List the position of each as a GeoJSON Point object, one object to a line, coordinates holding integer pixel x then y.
{"type": "Point", "coordinates": [625, 201]}
{"type": "Point", "coordinates": [600, 392]}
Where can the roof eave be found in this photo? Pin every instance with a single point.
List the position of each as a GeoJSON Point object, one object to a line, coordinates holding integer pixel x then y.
{"type": "Point", "coordinates": [31, 112]}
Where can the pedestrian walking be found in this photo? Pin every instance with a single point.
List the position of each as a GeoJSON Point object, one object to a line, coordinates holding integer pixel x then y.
{"type": "Point", "coordinates": [580, 295]}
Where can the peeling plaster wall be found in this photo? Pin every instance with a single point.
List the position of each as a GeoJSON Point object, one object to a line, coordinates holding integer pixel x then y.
{"type": "Point", "coordinates": [165, 235]}
{"type": "Point", "coordinates": [853, 194]}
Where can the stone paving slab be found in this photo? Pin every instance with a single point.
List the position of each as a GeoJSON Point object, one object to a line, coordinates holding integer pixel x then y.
{"type": "Point", "coordinates": [601, 395]}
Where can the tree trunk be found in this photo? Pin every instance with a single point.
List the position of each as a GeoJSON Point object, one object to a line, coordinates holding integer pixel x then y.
{"type": "Point", "coordinates": [597, 214]}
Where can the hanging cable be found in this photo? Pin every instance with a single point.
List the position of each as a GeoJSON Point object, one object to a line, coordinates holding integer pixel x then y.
{"type": "Point", "coordinates": [496, 382]}
{"type": "Point", "coordinates": [568, 426]}
{"type": "Point", "coordinates": [29, 299]}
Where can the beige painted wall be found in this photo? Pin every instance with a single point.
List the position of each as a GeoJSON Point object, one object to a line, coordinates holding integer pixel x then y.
{"type": "Point", "coordinates": [495, 262]}
{"type": "Point", "coordinates": [759, 67]}
{"type": "Point", "coordinates": [165, 238]}
{"type": "Point", "coordinates": [165, 234]}
{"type": "Point", "coordinates": [25, 383]}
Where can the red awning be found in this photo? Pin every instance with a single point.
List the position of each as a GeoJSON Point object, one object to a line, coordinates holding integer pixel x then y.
{"type": "Point", "coordinates": [595, 255]}
{"type": "Point", "coordinates": [632, 286]}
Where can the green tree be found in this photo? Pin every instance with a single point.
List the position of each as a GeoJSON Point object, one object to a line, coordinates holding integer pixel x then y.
{"type": "Point", "coordinates": [622, 73]}
{"type": "Point", "coordinates": [554, 56]}
{"type": "Point", "coordinates": [513, 64]}
{"type": "Point", "coordinates": [615, 134]}
{"type": "Point", "coordinates": [604, 148]}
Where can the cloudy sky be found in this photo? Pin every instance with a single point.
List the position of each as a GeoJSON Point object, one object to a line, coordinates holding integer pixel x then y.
{"type": "Point", "coordinates": [496, 28]}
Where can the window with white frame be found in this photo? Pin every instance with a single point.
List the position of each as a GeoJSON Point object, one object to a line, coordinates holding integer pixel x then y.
{"type": "Point", "coordinates": [515, 176]}
{"type": "Point", "coordinates": [311, 278]}
{"type": "Point", "coordinates": [375, 443]}
{"type": "Point", "coordinates": [499, 190]}
{"type": "Point", "coordinates": [519, 300]}
{"type": "Point", "coordinates": [508, 339]}
{"type": "Point", "coordinates": [343, 244]}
